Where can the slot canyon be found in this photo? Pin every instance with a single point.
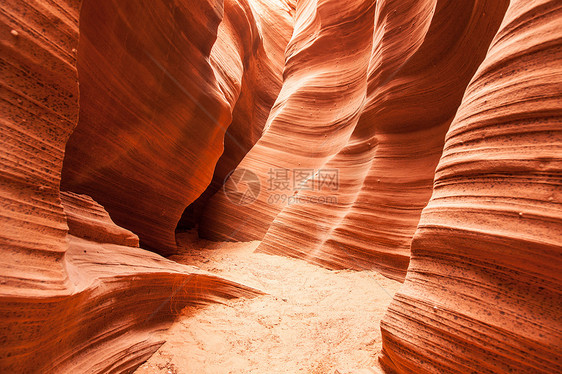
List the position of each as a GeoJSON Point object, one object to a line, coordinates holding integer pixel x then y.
{"type": "Point", "coordinates": [281, 186]}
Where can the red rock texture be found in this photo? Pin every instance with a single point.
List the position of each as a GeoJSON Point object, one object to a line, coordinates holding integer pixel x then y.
{"type": "Point", "coordinates": [159, 89]}
{"type": "Point", "coordinates": [137, 93]}
{"type": "Point", "coordinates": [407, 89]}
{"type": "Point", "coordinates": [89, 220]}
{"type": "Point", "coordinates": [268, 27]}
{"type": "Point", "coordinates": [442, 118]}
{"type": "Point", "coordinates": [88, 301]}
{"type": "Point", "coordinates": [484, 287]}
{"type": "Point", "coordinates": [39, 109]}
{"type": "Point", "coordinates": [116, 298]}
{"type": "Point", "coordinates": [321, 96]}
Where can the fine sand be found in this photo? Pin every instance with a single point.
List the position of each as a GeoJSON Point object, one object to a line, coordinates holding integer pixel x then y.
{"type": "Point", "coordinates": [312, 320]}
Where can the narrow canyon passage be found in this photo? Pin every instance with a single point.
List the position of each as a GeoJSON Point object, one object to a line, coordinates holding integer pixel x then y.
{"type": "Point", "coordinates": [311, 320]}
{"type": "Point", "coordinates": [375, 186]}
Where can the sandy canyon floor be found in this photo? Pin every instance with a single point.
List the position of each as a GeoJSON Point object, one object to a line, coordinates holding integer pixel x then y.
{"type": "Point", "coordinates": [311, 320]}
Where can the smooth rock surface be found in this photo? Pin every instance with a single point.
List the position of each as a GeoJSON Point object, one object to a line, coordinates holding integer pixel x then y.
{"type": "Point", "coordinates": [441, 118]}
{"type": "Point", "coordinates": [67, 303]}
{"type": "Point", "coordinates": [160, 83]}
{"type": "Point", "coordinates": [388, 126]}
{"type": "Point", "coordinates": [88, 220]}
{"type": "Point", "coordinates": [484, 287]}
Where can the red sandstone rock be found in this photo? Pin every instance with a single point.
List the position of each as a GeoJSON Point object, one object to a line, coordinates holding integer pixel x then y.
{"type": "Point", "coordinates": [478, 292]}
{"type": "Point", "coordinates": [68, 304]}
{"type": "Point", "coordinates": [158, 91]}
{"type": "Point", "coordinates": [484, 287]}
{"type": "Point", "coordinates": [325, 79]}
{"type": "Point", "coordinates": [383, 91]}
{"type": "Point", "coordinates": [152, 114]}
{"type": "Point", "coordinates": [89, 220]}
{"type": "Point", "coordinates": [38, 111]}
{"type": "Point", "coordinates": [419, 59]}
{"type": "Point", "coordinates": [268, 26]}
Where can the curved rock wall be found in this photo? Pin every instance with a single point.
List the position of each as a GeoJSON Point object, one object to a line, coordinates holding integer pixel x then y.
{"type": "Point", "coordinates": [382, 91]}
{"type": "Point", "coordinates": [39, 109]}
{"type": "Point", "coordinates": [409, 110]}
{"type": "Point", "coordinates": [158, 89]}
{"type": "Point", "coordinates": [315, 112]}
{"type": "Point", "coordinates": [418, 61]}
{"type": "Point", "coordinates": [484, 288]}
{"type": "Point", "coordinates": [90, 300]}
{"type": "Point", "coordinates": [271, 25]}
{"type": "Point", "coordinates": [148, 90]}
{"type": "Point", "coordinates": [119, 298]}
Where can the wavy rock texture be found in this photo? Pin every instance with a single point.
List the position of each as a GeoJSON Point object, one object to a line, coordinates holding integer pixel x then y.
{"type": "Point", "coordinates": [269, 25]}
{"type": "Point", "coordinates": [322, 95]}
{"type": "Point", "coordinates": [145, 75]}
{"type": "Point", "coordinates": [419, 60]}
{"type": "Point", "coordinates": [68, 303]}
{"type": "Point", "coordinates": [118, 299]}
{"type": "Point", "coordinates": [39, 109]}
{"type": "Point", "coordinates": [89, 220]}
{"type": "Point", "coordinates": [414, 102]}
{"type": "Point", "coordinates": [151, 131]}
{"type": "Point", "coordinates": [484, 287]}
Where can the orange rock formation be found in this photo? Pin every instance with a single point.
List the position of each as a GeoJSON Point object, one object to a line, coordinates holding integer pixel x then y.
{"type": "Point", "coordinates": [418, 138]}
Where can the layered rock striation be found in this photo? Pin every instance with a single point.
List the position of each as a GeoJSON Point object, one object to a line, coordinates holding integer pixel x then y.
{"type": "Point", "coordinates": [384, 142]}
{"type": "Point", "coordinates": [484, 287]}
{"type": "Point", "coordinates": [419, 138]}
{"type": "Point", "coordinates": [160, 84]}
{"type": "Point", "coordinates": [87, 299]}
